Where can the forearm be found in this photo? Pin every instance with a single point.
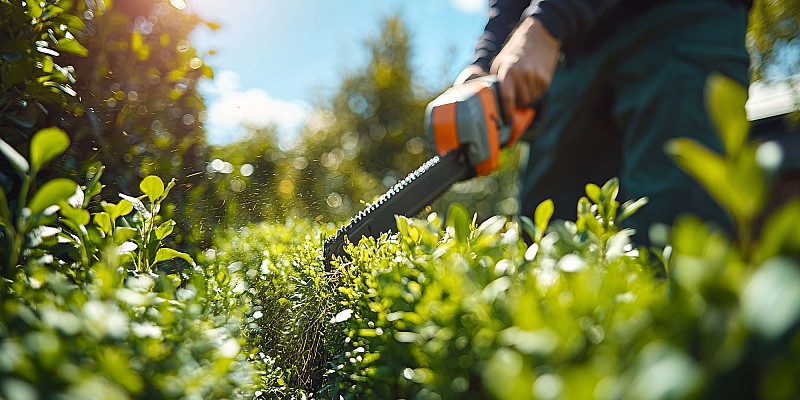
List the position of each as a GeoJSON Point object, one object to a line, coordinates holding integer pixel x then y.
{"type": "Point", "coordinates": [563, 18]}
{"type": "Point", "coordinates": [504, 16]}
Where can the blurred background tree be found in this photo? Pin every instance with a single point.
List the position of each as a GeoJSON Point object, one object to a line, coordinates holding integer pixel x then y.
{"type": "Point", "coordinates": [138, 110]}
{"type": "Point", "coordinates": [774, 38]}
{"type": "Point", "coordinates": [242, 181]}
{"type": "Point", "coordinates": [122, 83]}
{"type": "Point", "coordinates": [375, 137]}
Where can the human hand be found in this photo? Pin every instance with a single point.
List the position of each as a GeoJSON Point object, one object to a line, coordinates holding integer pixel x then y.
{"type": "Point", "coordinates": [469, 73]}
{"type": "Point", "coordinates": [525, 65]}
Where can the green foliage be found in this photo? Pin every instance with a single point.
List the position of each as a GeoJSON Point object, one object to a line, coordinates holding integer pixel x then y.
{"type": "Point", "coordinates": [84, 313]}
{"type": "Point", "coordinates": [121, 78]}
{"type": "Point", "coordinates": [33, 76]}
{"type": "Point", "coordinates": [278, 269]}
{"type": "Point", "coordinates": [772, 38]}
{"type": "Point", "coordinates": [454, 308]}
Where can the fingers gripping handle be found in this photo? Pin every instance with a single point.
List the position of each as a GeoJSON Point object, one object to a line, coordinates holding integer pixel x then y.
{"type": "Point", "coordinates": [469, 116]}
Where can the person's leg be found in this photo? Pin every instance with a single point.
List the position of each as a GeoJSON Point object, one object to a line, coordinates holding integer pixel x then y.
{"type": "Point", "coordinates": [577, 140]}
{"type": "Point", "coordinates": [660, 78]}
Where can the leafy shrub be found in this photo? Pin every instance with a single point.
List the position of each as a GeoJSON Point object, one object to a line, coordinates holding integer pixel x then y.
{"type": "Point", "coordinates": [88, 311]}
{"type": "Point", "coordinates": [278, 268]}
{"type": "Point", "coordinates": [449, 308]}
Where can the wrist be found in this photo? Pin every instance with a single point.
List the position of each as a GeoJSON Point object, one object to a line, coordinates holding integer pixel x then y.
{"type": "Point", "coordinates": [538, 31]}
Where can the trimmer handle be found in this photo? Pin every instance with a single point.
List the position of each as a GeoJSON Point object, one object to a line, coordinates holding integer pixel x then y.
{"type": "Point", "coordinates": [469, 115]}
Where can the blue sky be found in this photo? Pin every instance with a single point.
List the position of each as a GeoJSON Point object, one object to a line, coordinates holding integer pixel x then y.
{"type": "Point", "coordinates": [275, 59]}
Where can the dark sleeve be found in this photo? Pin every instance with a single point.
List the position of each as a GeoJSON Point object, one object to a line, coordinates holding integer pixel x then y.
{"type": "Point", "coordinates": [563, 18]}
{"type": "Point", "coordinates": [504, 16]}
{"type": "Point", "coordinates": [566, 18]}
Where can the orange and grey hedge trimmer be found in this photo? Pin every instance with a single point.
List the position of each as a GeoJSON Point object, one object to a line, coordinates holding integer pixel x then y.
{"type": "Point", "coordinates": [467, 129]}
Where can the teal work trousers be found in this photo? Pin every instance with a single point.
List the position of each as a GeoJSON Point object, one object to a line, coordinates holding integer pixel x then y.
{"type": "Point", "coordinates": [612, 107]}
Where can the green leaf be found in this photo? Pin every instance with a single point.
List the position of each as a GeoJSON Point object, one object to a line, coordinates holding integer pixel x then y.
{"type": "Point", "coordinates": [123, 234]}
{"type": "Point", "coordinates": [725, 100]}
{"type": "Point", "coordinates": [17, 160]}
{"type": "Point", "coordinates": [165, 229]}
{"type": "Point", "coordinates": [152, 186]}
{"type": "Point", "coordinates": [94, 187]}
{"type": "Point", "coordinates": [780, 234]}
{"type": "Point", "coordinates": [47, 144]}
{"type": "Point", "coordinates": [137, 205]}
{"type": "Point", "coordinates": [76, 215]}
{"type": "Point", "coordinates": [593, 192]}
{"type": "Point", "coordinates": [402, 225]}
{"type": "Point", "coordinates": [34, 8]}
{"type": "Point", "coordinates": [70, 21]}
{"type": "Point", "coordinates": [52, 193]}
{"type": "Point", "coordinates": [610, 189]}
{"type": "Point", "coordinates": [541, 217]}
{"type": "Point", "coordinates": [165, 254]}
{"type": "Point", "coordinates": [103, 221]}
{"type": "Point", "coordinates": [705, 166]}
{"type": "Point", "coordinates": [458, 219]}
{"type": "Point", "coordinates": [630, 207]}
{"type": "Point", "coordinates": [5, 212]}
{"type": "Point", "coordinates": [121, 209]}
{"type": "Point", "coordinates": [71, 46]}
{"type": "Point", "coordinates": [167, 189]}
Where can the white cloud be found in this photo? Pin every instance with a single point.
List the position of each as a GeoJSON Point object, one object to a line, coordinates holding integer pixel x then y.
{"type": "Point", "coordinates": [234, 109]}
{"type": "Point", "coordinates": [469, 6]}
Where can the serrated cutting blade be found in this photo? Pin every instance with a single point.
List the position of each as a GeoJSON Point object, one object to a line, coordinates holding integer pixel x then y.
{"type": "Point", "coordinates": [407, 197]}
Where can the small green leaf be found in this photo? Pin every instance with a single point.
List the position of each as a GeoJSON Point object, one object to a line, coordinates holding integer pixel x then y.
{"type": "Point", "coordinates": [541, 217]}
{"type": "Point", "coordinates": [165, 229]}
{"type": "Point", "coordinates": [165, 254]}
{"type": "Point", "coordinates": [593, 192]}
{"type": "Point", "coordinates": [70, 21]}
{"type": "Point", "coordinates": [458, 219]}
{"type": "Point", "coordinates": [152, 186]}
{"type": "Point", "coordinates": [780, 234]}
{"type": "Point", "coordinates": [121, 209]}
{"type": "Point", "coordinates": [17, 160]}
{"type": "Point", "coordinates": [137, 205]}
{"type": "Point", "coordinates": [705, 166]}
{"type": "Point", "coordinates": [123, 234]}
{"type": "Point", "coordinates": [5, 212]}
{"type": "Point", "coordinates": [34, 8]}
{"type": "Point", "coordinates": [52, 193]}
{"type": "Point", "coordinates": [47, 144]}
{"type": "Point", "coordinates": [630, 207]}
{"type": "Point", "coordinates": [402, 225]}
{"type": "Point", "coordinates": [76, 215]}
{"type": "Point", "coordinates": [169, 187]}
{"type": "Point", "coordinates": [610, 189]}
{"type": "Point", "coordinates": [71, 46]}
{"type": "Point", "coordinates": [94, 187]}
{"type": "Point", "coordinates": [725, 100]}
{"type": "Point", "coordinates": [528, 226]}
{"type": "Point", "coordinates": [103, 221]}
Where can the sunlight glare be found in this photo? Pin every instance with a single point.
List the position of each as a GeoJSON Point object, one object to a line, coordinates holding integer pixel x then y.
{"type": "Point", "coordinates": [179, 4]}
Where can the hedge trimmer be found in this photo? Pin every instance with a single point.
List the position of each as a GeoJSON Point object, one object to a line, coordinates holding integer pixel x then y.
{"type": "Point", "coordinates": [467, 129]}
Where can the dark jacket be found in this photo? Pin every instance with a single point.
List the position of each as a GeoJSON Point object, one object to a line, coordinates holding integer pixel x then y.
{"type": "Point", "coordinates": [577, 24]}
